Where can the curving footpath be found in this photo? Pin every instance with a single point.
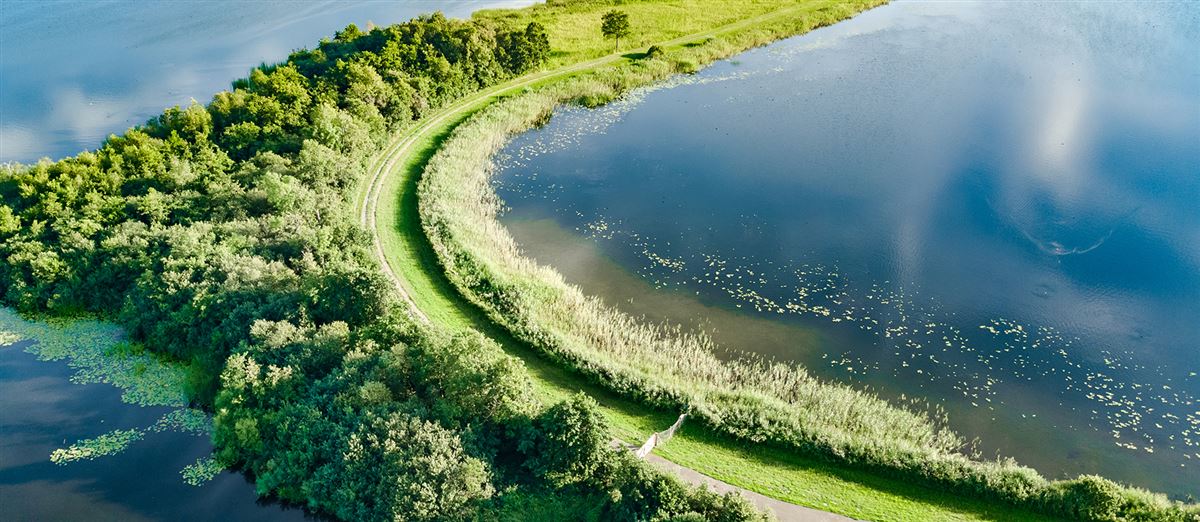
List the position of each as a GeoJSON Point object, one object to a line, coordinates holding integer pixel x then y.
{"type": "Point", "coordinates": [402, 149]}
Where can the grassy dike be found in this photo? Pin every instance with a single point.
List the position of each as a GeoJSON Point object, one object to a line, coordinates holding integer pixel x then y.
{"type": "Point", "coordinates": [408, 256]}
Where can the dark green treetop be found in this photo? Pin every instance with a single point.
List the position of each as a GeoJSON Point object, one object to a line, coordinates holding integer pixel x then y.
{"type": "Point", "coordinates": [522, 51]}
{"type": "Point", "coordinates": [615, 25]}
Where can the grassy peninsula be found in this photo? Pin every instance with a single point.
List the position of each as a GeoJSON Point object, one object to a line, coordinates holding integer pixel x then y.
{"type": "Point", "coordinates": [221, 236]}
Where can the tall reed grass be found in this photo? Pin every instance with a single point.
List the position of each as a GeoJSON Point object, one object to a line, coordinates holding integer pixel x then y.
{"type": "Point", "coordinates": [747, 398]}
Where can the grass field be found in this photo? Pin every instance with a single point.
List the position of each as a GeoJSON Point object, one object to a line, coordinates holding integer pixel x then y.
{"type": "Point", "coordinates": [574, 29]}
{"type": "Point", "coordinates": [416, 266]}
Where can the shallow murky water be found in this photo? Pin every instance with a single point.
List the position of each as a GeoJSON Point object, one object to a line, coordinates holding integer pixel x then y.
{"type": "Point", "coordinates": [993, 206]}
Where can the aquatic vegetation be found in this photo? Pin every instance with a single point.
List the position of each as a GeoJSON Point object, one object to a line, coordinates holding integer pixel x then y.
{"type": "Point", "coordinates": [200, 472]}
{"type": "Point", "coordinates": [185, 420]}
{"type": "Point", "coordinates": [748, 398]}
{"type": "Point", "coordinates": [110, 443]}
{"type": "Point", "coordinates": [1131, 402]}
{"type": "Point", "coordinates": [93, 349]}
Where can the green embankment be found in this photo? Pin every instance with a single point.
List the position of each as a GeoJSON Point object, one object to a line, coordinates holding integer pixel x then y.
{"type": "Point", "coordinates": [408, 253]}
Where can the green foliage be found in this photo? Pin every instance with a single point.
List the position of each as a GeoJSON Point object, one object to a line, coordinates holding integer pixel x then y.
{"type": "Point", "coordinates": [397, 467]}
{"type": "Point", "coordinates": [1086, 498]}
{"type": "Point", "coordinates": [570, 443]}
{"type": "Point", "coordinates": [523, 51]}
{"type": "Point", "coordinates": [109, 443]}
{"type": "Point", "coordinates": [471, 379]}
{"type": "Point", "coordinates": [193, 124]}
{"type": "Point", "coordinates": [1094, 498]}
{"type": "Point", "coordinates": [323, 418]}
{"type": "Point", "coordinates": [638, 492]}
{"type": "Point", "coordinates": [615, 24]}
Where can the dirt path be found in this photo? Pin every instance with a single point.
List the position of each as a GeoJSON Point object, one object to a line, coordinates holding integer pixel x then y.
{"type": "Point", "coordinates": [396, 152]}
{"type": "Point", "coordinates": [782, 510]}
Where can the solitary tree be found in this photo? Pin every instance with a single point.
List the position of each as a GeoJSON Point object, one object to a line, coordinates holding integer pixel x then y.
{"type": "Point", "coordinates": [615, 25]}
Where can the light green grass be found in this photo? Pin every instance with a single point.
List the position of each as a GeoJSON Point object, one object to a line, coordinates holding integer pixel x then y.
{"type": "Point", "coordinates": [574, 27]}
{"type": "Point", "coordinates": [787, 477]}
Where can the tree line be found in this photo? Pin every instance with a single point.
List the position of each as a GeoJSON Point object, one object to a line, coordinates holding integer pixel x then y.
{"type": "Point", "coordinates": [221, 235]}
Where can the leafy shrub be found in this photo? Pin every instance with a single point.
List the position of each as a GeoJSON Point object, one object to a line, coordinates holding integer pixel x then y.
{"type": "Point", "coordinates": [1086, 498]}
{"type": "Point", "coordinates": [569, 444]}
{"type": "Point", "coordinates": [473, 380]}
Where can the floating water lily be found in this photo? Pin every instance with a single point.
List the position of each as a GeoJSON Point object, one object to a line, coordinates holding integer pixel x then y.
{"type": "Point", "coordinates": [97, 353]}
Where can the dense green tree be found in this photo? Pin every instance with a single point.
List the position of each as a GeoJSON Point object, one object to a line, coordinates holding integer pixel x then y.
{"type": "Point", "coordinates": [193, 124]}
{"type": "Point", "coordinates": [472, 379]}
{"type": "Point", "coordinates": [349, 34]}
{"type": "Point", "coordinates": [615, 24]}
{"type": "Point", "coordinates": [569, 444]}
{"type": "Point", "coordinates": [523, 51]}
{"type": "Point", "coordinates": [9, 222]}
{"type": "Point", "coordinates": [397, 467]}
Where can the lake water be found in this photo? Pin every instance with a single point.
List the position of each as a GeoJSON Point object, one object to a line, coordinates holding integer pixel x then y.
{"type": "Point", "coordinates": [72, 72]}
{"type": "Point", "coordinates": [993, 206]}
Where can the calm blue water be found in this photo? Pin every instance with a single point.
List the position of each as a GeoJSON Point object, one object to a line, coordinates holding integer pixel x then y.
{"type": "Point", "coordinates": [72, 72]}
{"type": "Point", "coordinates": [993, 206]}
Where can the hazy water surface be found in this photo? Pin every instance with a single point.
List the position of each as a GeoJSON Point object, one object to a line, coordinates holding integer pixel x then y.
{"type": "Point", "coordinates": [72, 72]}
{"type": "Point", "coordinates": [992, 205]}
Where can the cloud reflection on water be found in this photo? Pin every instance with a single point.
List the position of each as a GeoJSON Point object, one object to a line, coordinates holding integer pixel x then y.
{"type": "Point", "coordinates": [78, 70]}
